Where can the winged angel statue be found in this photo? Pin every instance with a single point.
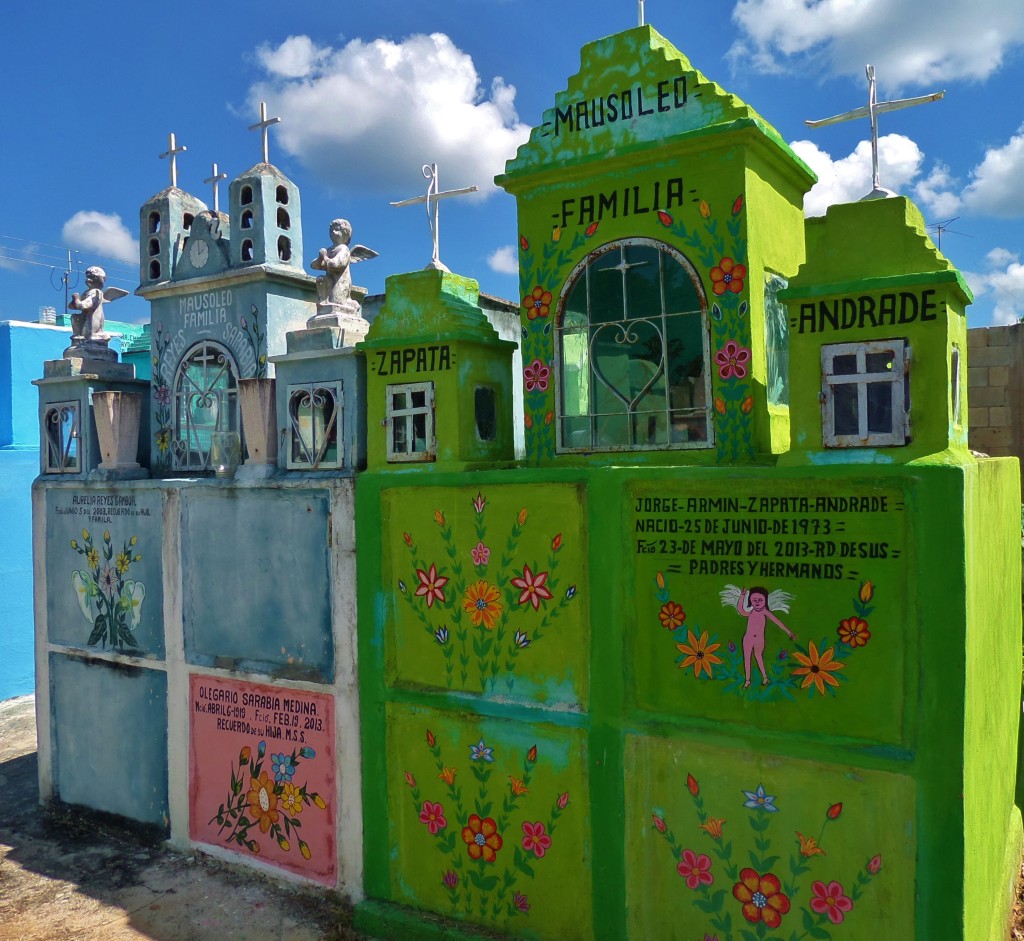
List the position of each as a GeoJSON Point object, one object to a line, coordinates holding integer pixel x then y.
{"type": "Point", "coordinates": [87, 325]}
{"type": "Point", "coordinates": [334, 287]}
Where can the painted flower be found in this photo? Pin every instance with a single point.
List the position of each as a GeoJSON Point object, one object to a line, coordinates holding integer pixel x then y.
{"type": "Point", "coordinates": [659, 824]}
{"type": "Point", "coordinates": [556, 542]}
{"type": "Point", "coordinates": [699, 654]}
{"type": "Point", "coordinates": [522, 639]}
{"type": "Point", "coordinates": [535, 376]}
{"type": "Point", "coordinates": [854, 632]}
{"type": "Point", "coordinates": [747, 404]}
{"type": "Point", "coordinates": [520, 902]}
{"type": "Point", "coordinates": [830, 900]}
{"type": "Point", "coordinates": [162, 394]}
{"type": "Point", "coordinates": [521, 517]}
{"type": "Point", "coordinates": [523, 243]}
{"type": "Point", "coordinates": [727, 276]}
{"type": "Point", "coordinates": [482, 602]}
{"type": "Point", "coordinates": [591, 229]}
{"type": "Point", "coordinates": [534, 838]}
{"type": "Point", "coordinates": [291, 799]}
{"type": "Point", "coordinates": [410, 780]}
{"type": "Point", "coordinates": [122, 562]}
{"type": "Point", "coordinates": [108, 581]}
{"type": "Point", "coordinates": [783, 654]}
{"type": "Point", "coordinates": [407, 539]}
{"type": "Point", "coordinates": [664, 218]}
{"type": "Point", "coordinates": [132, 595]}
{"type": "Point", "coordinates": [447, 775]}
{"type": "Point", "coordinates": [481, 838]}
{"type": "Point", "coordinates": [737, 205]}
{"type": "Point", "coordinates": [809, 845]}
{"type": "Point", "coordinates": [563, 800]}
{"type": "Point", "coordinates": [441, 635]}
{"type": "Point", "coordinates": [732, 360]}
{"type": "Point", "coordinates": [671, 615]}
{"type": "Point", "coordinates": [480, 554]}
{"type": "Point", "coordinates": [263, 802]}
{"type": "Point", "coordinates": [875, 863]}
{"type": "Point", "coordinates": [762, 897]}
{"type": "Point", "coordinates": [432, 815]}
{"type": "Point", "coordinates": [431, 739]}
{"type": "Point", "coordinates": [719, 405]}
{"type": "Point", "coordinates": [760, 800]}
{"type": "Point", "coordinates": [532, 588]}
{"type": "Point", "coordinates": [570, 592]}
{"type": "Point", "coordinates": [450, 878]}
{"type": "Point", "coordinates": [556, 233]}
{"type": "Point", "coordinates": [705, 209]}
{"type": "Point", "coordinates": [713, 827]}
{"type": "Point", "coordinates": [282, 767]}
{"type": "Point", "coordinates": [479, 502]}
{"type": "Point", "coordinates": [517, 786]}
{"type": "Point", "coordinates": [834, 811]}
{"type": "Point", "coordinates": [817, 668]}
{"type": "Point", "coordinates": [867, 592]}
{"type": "Point", "coordinates": [92, 557]}
{"type": "Point", "coordinates": [439, 518]}
{"type": "Point", "coordinates": [695, 869]}
{"type": "Point", "coordinates": [537, 303]}
{"type": "Point", "coordinates": [531, 755]}
{"type": "Point", "coordinates": [691, 785]}
{"type": "Point", "coordinates": [163, 440]}
{"type": "Point", "coordinates": [431, 585]}
{"type": "Point", "coordinates": [481, 752]}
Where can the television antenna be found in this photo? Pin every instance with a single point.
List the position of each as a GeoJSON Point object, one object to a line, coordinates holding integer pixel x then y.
{"type": "Point", "coordinates": [941, 227]}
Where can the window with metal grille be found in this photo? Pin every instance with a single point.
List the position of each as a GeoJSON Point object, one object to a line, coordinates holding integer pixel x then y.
{"type": "Point", "coordinates": [315, 420]}
{"type": "Point", "coordinates": [410, 422]}
{"type": "Point", "coordinates": [865, 393]}
{"type": "Point", "coordinates": [633, 352]}
{"type": "Point", "coordinates": [205, 401]}
{"type": "Point", "coordinates": [61, 437]}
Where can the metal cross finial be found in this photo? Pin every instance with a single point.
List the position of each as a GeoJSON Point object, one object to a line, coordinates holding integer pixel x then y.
{"type": "Point", "coordinates": [430, 173]}
{"type": "Point", "coordinates": [215, 179]}
{"type": "Point", "coordinates": [873, 109]}
{"type": "Point", "coordinates": [263, 124]}
{"type": "Point", "coordinates": [172, 151]}
{"type": "Point", "coordinates": [640, 11]}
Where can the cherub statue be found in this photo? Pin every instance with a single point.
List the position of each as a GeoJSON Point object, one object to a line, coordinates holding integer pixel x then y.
{"type": "Point", "coordinates": [334, 287]}
{"type": "Point", "coordinates": [88, 325]}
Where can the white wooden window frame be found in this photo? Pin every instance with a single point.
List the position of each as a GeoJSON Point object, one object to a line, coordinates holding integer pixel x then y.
{"type": "Point", "coordinates": [407, 415]}
{"type": "Point", "coordinates": [60, 454]}
{"type": "Point", "coordinates": [898, 377]}
{"type": "Point", "coordinates": [314, 395]}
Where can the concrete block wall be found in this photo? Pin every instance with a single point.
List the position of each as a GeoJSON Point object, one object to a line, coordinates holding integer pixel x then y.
{"type": "Point", "coordinates": [995, 360]}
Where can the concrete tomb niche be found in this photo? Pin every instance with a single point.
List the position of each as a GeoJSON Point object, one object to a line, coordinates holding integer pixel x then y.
{"type": "Point", "coordinates": [117, 417]}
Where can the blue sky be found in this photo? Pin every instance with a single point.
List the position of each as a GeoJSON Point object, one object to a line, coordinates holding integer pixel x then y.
{"type": "Point", "coordinates": [368, 93]}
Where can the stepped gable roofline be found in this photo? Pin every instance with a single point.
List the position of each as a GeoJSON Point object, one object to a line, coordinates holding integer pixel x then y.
{"type": "Point", "coordinates": [174, 191]}
{"type": "Point", "coordinates": [263, 169]}
{"type": "Point", "coordinates": [899, 253]}
{"type": "Point", "coordinates": [640, 73]}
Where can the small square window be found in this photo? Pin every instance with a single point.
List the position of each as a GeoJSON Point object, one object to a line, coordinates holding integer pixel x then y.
{"type": "Point", "coordinates": [865, 394]}
{"type": "Point", "coordinates": [61, 438]}
{"type": "Point", "coordinates": [410, 422]}
{"type": "Point", "coordinates": [315, 423]}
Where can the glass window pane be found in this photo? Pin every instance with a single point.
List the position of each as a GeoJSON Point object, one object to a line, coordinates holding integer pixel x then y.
{"type": "Point", "coordinates": [419, 398]}
{"type": "Point", "coordinates": [398, 401]}
{"type": "Point", "coordinates": [399, 439]}
{"type": "Point", "coordinates": [845, 365]}
{"type": "Point", "coordinates": [845, 411]}
{"type": "Point", "coordinates": [643, 281]}
{"type": "Point", "coordinates": [419, 432]}
{"type": "Point", "coordinates": [606, 302]}
{"type": "Point", "coordinates": [879, 362]}
{"type": "Point", "coordinates": [879, 408]}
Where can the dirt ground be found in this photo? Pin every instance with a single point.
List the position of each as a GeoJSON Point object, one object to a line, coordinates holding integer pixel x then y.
{"type": "Point", "coordinates": [63, 877]}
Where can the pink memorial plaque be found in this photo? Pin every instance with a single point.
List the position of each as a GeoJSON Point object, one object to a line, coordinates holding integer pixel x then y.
{"type": "Point", "coordinates": [262, 774]}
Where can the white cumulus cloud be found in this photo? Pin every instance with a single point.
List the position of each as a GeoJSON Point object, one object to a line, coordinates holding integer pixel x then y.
{"type": "Point", "coordinates": [377, 111]}
{"type": "Point", "coordinates": [100, 233]}
{"type": "Point", "coordinates": [504, 260]}
{"type": "Point", "coordinates": [848, 179]}
{"type": "Point", "coordinates": [1003, 279]}
{"type": "Point", "coordinates": [910, 42]}
{"type": "Point", "coordinates": [997, 184]}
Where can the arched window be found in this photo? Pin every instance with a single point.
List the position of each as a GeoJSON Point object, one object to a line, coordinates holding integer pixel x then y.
{"type": "Point", "coordinates": [283, 222]}
{"type": "Point", "coordinates": [282, 194]}
{"type": "Point", "coordinates": [154, 223]}
{"type": "Point", "coordinates": [247, 250]}
{"type": "Point", "coordinates": [633, 352]}
{"type": "Point", "coordinates": [284, 248]}
{"type": "Point", "coordinates": [154, 246]}
{"type": "Point", "coordinates": [247, 219]}
{"type": "Point", "coordinates": [205, 401]}
{"type": "Point", "coordinates": [246, 195]}
{"type": "Point", "coordinates": [154, 270]}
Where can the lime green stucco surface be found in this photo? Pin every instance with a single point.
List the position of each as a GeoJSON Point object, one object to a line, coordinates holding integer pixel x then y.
{"type": "Point", "coordinates": [745, 685]}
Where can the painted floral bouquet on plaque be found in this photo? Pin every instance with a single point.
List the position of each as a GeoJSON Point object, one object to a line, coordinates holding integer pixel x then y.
{"type": "Point", "coordinates": [743, 668]}
{"type": "Point", "coordinates": [107, 597]}
{"type": "Point", "coordinates": [765, 901]}
{"type": "Point", "coordinates": [485, 606]}
{"type": "Point", "coordinates": [268, 800]}
{"type": "Point", "coordinates": [489, 849]}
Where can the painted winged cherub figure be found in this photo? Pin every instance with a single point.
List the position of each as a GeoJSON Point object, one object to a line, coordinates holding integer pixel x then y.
{"type": "Point", "coordinates": [757, 606]}
{"type": "Point", "coordinates": [334, 287]}
{"type": "Point", "coordinates": [88, 324]}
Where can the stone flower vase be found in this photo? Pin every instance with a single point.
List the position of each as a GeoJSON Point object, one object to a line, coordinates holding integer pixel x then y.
{"type": "Point", "coordinates": [117, 417]}
{"type": "Point", "coordinates": [259, 420]}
